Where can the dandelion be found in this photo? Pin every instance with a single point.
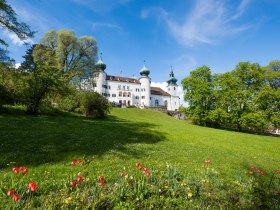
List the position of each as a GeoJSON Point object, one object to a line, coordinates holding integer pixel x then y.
{"type": "Point", "coordinates": [190, 194]}
{"type": "Point", "coordinates": [16, 197]}
{"type": "Point", "coordinates": [68, 200]}
{"type": "Point", "coordinates": [10, 192]}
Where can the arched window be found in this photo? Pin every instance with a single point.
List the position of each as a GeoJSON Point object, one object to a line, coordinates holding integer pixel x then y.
{"type": "Point", "coordinates": [120, 94]}
{"type": "Point", "coordinates": [124, 94]}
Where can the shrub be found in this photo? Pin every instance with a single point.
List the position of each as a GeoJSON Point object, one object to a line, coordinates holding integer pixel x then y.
{"type": "Point", "coordinates": [94, 105]}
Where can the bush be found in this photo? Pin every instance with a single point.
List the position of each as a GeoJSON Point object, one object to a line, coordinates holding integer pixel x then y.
{"type": "Point", "coordinates": [94, 105]}
{"type": "Point", "coordinates": [69, 103]}
{"type": "Point", "coordinates": [256, 122]}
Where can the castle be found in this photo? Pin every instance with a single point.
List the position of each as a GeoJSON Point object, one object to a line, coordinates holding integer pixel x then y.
{"type": "Point", "coordinates": [126, 91]}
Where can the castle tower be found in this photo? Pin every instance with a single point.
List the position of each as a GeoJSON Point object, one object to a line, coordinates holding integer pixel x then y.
{"type": "Point", "coordinates": [100, 75]}
{"type": "Point", "coordinates": [145, 81]}
{"type": "Point", "coordinates": [172, 89]}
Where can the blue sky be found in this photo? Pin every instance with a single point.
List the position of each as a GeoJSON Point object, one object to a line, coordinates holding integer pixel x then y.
{"type": "Point", "coordinates": [183, 33]}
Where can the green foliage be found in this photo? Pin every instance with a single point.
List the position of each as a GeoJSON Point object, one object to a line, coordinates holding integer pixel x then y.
{"type": "Point", "coordinates": [246, 98]}
{"type": "Point", "coordinates": [94, 105]}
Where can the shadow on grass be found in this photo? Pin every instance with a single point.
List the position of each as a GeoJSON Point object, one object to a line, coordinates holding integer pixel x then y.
{"type": "Point", "coordinates": [35, 140]}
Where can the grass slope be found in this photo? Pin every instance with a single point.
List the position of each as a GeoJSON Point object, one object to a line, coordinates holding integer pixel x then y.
{"type": "Point", "coordinates": [49, 143]}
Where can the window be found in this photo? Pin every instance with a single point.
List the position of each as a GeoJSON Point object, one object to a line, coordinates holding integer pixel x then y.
{"type": "Point", "coordinates": [104, 86]}
{"type": "Point", "coordinates": [109, 87]}
{"type": "Point", "coordinates": [136, 97]}
{"type": "Point", "coordinates": [174, 88]}
{"type": "Point", "coordinates": [143, 97]}
{"type": "Point", "coordinates": [156, 102]}
{"type": "Point", "coordinates": [124, 94]}
{"type": "Point", "coordinates": [129, 94]}
{"type": "Point", "coordinates": [108, 94]}
{"type": "Point", "coordinates": [119, 87]}
{"type": "Point", "coordinates": [127, 87]}
{"type": "Point", "coordinates": [113, 95]}
{"type": "Point", "coordinates": [120, 94]}
{"type": "Point", "coordinates": [165, 103]}
{"type": "Point", "coordinates": [123, 87]}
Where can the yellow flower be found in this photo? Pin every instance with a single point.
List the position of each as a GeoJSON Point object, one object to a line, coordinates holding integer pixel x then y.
{"type": "Point", "coordinates": [190, 194]}
{"type": "Point", "coordinates": [68, 200]}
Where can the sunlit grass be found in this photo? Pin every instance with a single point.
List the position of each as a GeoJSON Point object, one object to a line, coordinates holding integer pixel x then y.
{"type": "Point", "coordinates": [48, 144]}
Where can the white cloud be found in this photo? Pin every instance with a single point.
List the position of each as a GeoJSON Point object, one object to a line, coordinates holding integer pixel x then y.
{"type": "Point", "coordinates": [106, 25]}
{"type": "Point", "coordinates": [17, 65]}
{"type": "Point", "coordinates": [102, 5]}
{"type": "Point", "coordinates": [206, 22]}
{"type": "Point", "coordinates": [15, 40]}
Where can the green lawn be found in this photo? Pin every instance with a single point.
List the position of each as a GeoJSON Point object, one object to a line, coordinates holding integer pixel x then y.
{"type": "Point", "coordinates": [47, 145]}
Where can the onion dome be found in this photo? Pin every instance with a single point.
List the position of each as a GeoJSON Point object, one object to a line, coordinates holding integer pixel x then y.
{"type": "Point", "coordinates": [172, 80]}
{"type": "Point", "coordinates": [144, 71]}
{"type": "Point", "coordinates": [100, 66]}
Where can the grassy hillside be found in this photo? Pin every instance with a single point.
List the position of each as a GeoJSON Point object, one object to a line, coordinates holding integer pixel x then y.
{"type": "Point", "coordinates": [47, 145]}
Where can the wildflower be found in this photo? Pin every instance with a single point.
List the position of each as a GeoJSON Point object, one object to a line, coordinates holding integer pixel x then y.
{"type": "Point", "coordinates": [207, 161]}
{"type": "Point", "coordinates": [251, 172]}
{"type": "Point", "coordinates": [140, 167]}
{"type": "Point", "coordinates": [72, 183]}
{"type": "Point", "coordinates": [78, 161]}
{"type": "Point", "coordinates": [101, 178]}
{"type": "Point", "coordinates": [190, 194]}
{"type": "Point", "coordinates": [16, 197]}
{"type": "Point", "coordinates": [10, 192]}
{"type": "Point", "coordinates": [15, 170]}
{"type": "Point", "coordinates": [252, 167]}
{"type": "Point", "coordinates": [122, 174]}
{"type": "Point", "coordinates": [24, 171]}
{"type": "Point", "coordinates": [101, 184]}
{"type": "Point", "coordinates": [21, 168]}
{"type": "Point", "coordinates": [79, 178]}
{"type": "Point", "coordinates": [148, 173]}
{"type": "Point", "coordinates": [73, 162]}
{"type": "Point", "coordinates": [137, 164]}
{"type": "Point", "coordinates": [261, 173]}
{"type": "Point", "coordinates": [68, 200]}
{"type": "Point", "coordinates": [32, 186]}
{"type": "Point", "coordinates": [145, 169]}
{"type": "Point", "coordinates": [258, 171]}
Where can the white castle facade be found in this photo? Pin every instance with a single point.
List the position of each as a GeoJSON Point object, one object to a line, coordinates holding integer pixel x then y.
{"type": "Point", "coordinates": [126, 91]}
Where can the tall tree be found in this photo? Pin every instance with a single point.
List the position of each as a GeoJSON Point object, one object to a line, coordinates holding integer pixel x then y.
{"type": "Point", "coordinates": [199, 93]}
{"type": "Point", "coordinates": [76, 56]}
{"type": "Point", "coordinates": [8, 21]}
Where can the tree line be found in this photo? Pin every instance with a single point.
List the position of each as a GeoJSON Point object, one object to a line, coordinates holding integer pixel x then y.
{"type": "Point", "coordinates": [52, 70]}
{"type": "Point", "coordinates": [246, 98]}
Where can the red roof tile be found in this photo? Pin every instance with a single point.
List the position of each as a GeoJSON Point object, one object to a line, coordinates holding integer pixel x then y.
{"type": "Point", "coordinates": [159, 91]}
{"type": "Point", "coordinates": [122, 79]}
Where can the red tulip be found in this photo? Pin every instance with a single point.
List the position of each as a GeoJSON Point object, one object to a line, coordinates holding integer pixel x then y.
{"type": "Point", "coordinates": [79, 178]}
{"type": "Point", "coordinates": [251, 172]}
{"type": "Point", "coordinates": [137, 164]}
{"type": "Point", "coordinates": [32, 186]}
{"type": "Point", "coordinates": [261, 173]}
{"type": "Point", "coordinates": [140, 167]}
{"type": "Point", "coordinates": [258, 171]}
{"type": "Point", "coordinates": [78, 161]}
{"type": "Point", "coordinates": [207, 161]}
{"type": "Point", "coordinates": [25, 170]}
{"type": "Point", "coordinates": [73, 162]}
{"type": "Point", "coordinates": [72, 183]}
{"type": "Point", "coordinates": [101, 178]}
{"type": "Point", "coordinates": [21, 168]}
{"type": "Point", "coordinates": [101, 184]}
{"type": "Point", "coordinates": [122, 174]}
{"type": "Point", "coordinates": [148, 173]}
{"type": "Point", "coordinates": [10, 192]}
{"type": "Point", "coordinates": [15, 170]}
{"type": "Point", "coordinates": [16, 197]}
{"type": "Point", "coordinates": [252, 167]}
{"type": "Point", "coordinates": [145, 169]}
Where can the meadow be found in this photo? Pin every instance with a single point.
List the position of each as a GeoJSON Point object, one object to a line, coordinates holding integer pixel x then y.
{"type": "Point", "coordinates": [133, 159]}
